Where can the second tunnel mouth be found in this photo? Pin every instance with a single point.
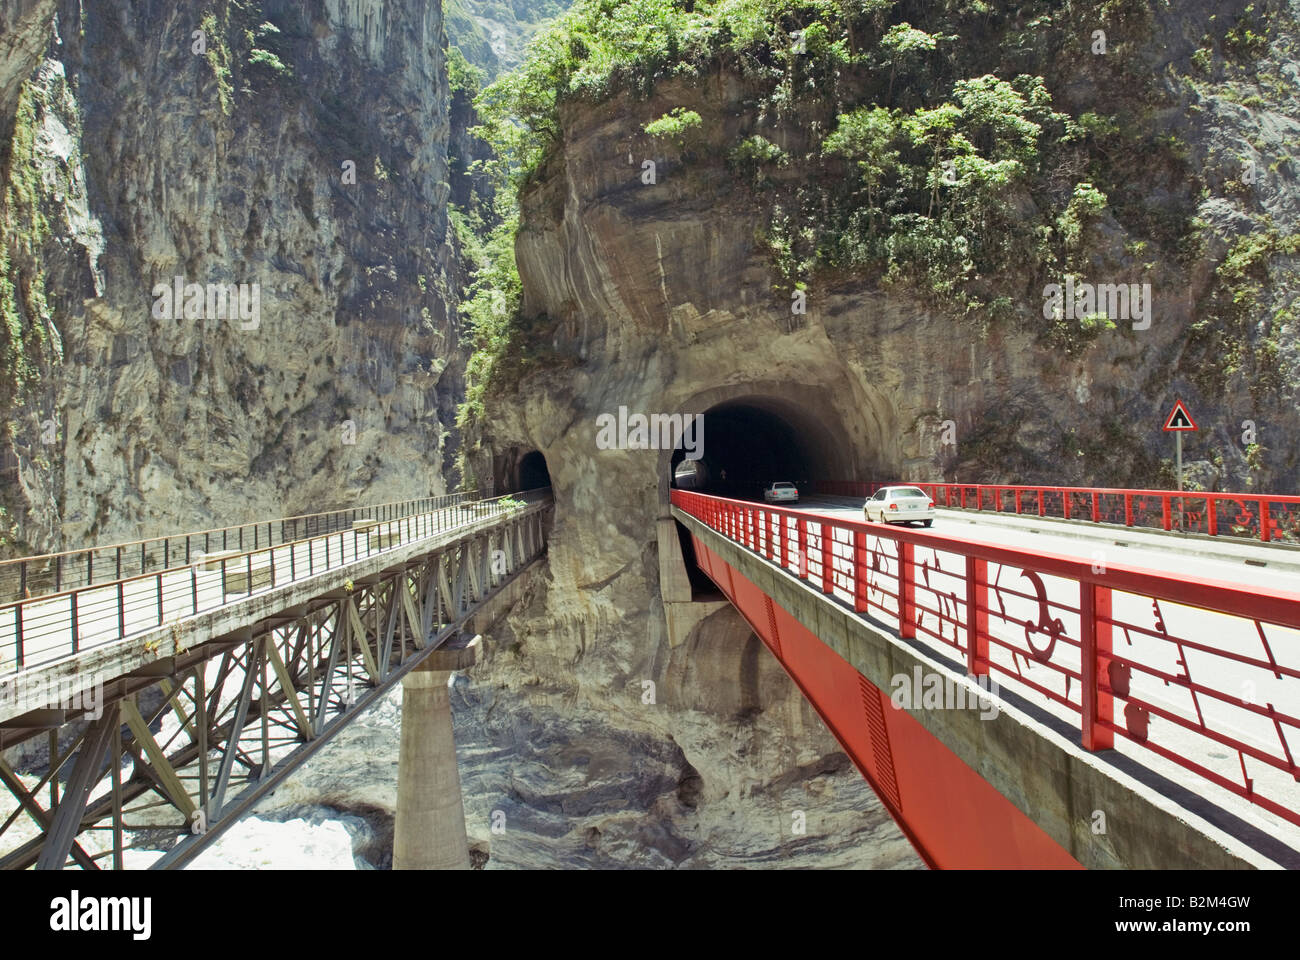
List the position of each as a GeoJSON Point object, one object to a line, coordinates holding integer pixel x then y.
{"type": "Point", "coordinates": [533, 472]}
{"type": "Point", "coordinates": [519, 469]}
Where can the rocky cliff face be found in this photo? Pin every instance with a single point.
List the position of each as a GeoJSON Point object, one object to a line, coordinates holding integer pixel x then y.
{"type": "Point", "coordinates": [600, 735]}
{"type": "Point", "coordinates": [647, 282]}
{"type": "Point", "coordinates": [300, 148]}
{"type": "Point", "coordinates": [664, 295]}
{"type": "Point", "coordinates": [493, 34]}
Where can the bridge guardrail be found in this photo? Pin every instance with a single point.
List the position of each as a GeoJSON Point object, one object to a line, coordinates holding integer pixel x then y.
{"type": "Point", "coordinates": [55, 625]}
{"type": "Point", "coordinates": [1255, 516]}
{"type": "Point", "coordinates": [1191, 669]}
{"type": "Point", "coordinates": [23, 578]}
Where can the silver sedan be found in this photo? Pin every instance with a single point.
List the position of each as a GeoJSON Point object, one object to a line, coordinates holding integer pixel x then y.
{"type": "Point", "coordinates": [899, 505]}
{"type": "Point", "coordinates": [781, 492]}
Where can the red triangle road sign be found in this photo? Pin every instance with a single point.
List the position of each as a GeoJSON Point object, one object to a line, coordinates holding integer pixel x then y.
{"type": "Point", "coordinates": [1179, 418]}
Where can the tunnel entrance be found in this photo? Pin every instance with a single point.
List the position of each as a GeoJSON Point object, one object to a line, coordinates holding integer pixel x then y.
{"type": "Point", "coordinates": [748, 437]}
{"type": "Point", "coordinates": [753, 441]}
{"type": "Point", "coordinates": [517, 470]}
{"type": "Point", "coordinates": [533, 472]}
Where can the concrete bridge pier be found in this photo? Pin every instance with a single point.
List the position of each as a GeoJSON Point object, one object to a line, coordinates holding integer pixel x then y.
{"type": "Point", "coordinates": [430, 830]}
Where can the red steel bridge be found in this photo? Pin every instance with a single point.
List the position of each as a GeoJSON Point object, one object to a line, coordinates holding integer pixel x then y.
{"type": "Point", "coordinates": [1149, 718]}
{"type": "Point", "coordinates": [1263, 517]}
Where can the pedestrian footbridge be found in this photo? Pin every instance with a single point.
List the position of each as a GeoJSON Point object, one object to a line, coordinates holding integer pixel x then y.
{"type": "Point", "coordinates": [173, 682]}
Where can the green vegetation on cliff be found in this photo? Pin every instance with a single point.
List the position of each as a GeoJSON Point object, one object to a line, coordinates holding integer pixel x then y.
{"type": "Point", "coordinates": [491, 304]}
{"type": "Point", "coordinates": [923, 144]}
{"type": "Point", "coordinates": [24, 313]}
{"type": "Point", "coordinates": [243, 50]}
{"type": "Point", "coordinates": [511, 24]}
{"type": "Point", "coordinates": [967, 153]}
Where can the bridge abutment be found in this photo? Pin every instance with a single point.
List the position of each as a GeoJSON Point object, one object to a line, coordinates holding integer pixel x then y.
{"type": "Point", "coordinates": [429, 833]}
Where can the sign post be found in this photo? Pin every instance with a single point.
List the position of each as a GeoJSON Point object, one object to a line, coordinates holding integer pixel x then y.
{"type": "Point", "coordinates": [1179, 422]}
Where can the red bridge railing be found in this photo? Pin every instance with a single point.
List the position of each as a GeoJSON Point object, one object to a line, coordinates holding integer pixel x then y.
{"type": "Point", "coordinates": [1264, 517]}
{"type": "Point", "coordinates": [1203, 673]}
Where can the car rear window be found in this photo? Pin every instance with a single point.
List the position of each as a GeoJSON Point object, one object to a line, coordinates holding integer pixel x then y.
{"type": "Point", "coordinates": [784, 486]}
{"type": "Point", "coordinates": [910, 492]}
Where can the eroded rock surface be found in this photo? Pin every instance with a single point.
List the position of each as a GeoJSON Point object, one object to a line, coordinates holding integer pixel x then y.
{"type": "Point", "coordinates": [142, 160]}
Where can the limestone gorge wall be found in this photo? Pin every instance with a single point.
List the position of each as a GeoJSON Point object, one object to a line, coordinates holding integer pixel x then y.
{"type": "Point", "coordinates": [661, 297]}
{"type": "Point", "coordinates": [611, 722]}
{"type": "Point", "coordinates": [128, 159]}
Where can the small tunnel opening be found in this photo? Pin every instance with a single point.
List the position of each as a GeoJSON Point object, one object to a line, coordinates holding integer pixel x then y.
{"type": "Point", "coordinates": [515, 470]}
{"type": "Point", "coordinates": [740, 446]}
{"type": "Point", "coordinates": [533, 472]}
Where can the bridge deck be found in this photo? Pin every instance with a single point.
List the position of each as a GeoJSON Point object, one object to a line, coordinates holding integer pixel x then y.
{"type": "Point", "coordinates": [1196, 683]}
{"type": "Point", "coordinates": [68, 625]}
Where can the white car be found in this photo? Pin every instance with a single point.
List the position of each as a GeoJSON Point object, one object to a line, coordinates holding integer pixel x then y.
{"type": "Point", "coordinates": [781, 493]}
{"type": "Point", "coordinates": [899, 505]}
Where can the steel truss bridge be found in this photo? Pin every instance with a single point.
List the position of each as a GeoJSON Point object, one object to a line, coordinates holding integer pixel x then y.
{"type": "Point", "coordinates": [173, 699]}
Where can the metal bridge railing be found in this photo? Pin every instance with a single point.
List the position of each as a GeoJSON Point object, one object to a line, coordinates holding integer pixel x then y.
{"type": "Point", "coordinates": [1266, 517]}
{"type": "Point", "coordinates": [153, 763]}
{"type": "Point", "coordinates": [25, 578]}
{"type": "Point", "coordinates": [45, 628]}
{"type": "Point", "coordinates": [1203, 673]}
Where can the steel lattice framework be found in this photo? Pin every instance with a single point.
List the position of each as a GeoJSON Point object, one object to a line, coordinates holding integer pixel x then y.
{"type": "Point", "coordinates": [185, 747]}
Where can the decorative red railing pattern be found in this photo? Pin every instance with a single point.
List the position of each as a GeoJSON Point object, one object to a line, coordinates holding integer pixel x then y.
{"type": "Point", "coordinates": [1265, 517]}
{"type": "Point", "coordinates": [1204, 673]}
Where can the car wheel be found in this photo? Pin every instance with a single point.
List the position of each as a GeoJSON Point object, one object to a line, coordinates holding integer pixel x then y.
{"type": "Point", "coordinates": [926, 523]}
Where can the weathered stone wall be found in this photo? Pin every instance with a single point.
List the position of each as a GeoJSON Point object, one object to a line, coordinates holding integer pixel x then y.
{"type": "Point", "coordinates": [154, 161]}
{"type": "Point", "coordinates": [661, 298]}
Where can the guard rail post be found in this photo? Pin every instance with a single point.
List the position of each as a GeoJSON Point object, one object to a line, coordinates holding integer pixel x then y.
{"type": "Point", "coordinates": [1095, 648]}
{"type": "Point", "coordinates": [977, 617]}
{"type": "Point", "coordinates": [906, 591]}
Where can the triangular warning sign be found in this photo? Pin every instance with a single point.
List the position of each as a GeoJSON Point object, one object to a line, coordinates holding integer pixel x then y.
{"type": "Point", "coordinates": [1179, 418]}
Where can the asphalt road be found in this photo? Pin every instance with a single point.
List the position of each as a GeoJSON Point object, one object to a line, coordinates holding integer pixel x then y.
{"type": "Point", "coordinates": [1273, 566]}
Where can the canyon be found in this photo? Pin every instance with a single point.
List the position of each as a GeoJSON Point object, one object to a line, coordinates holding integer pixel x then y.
{"type": "Point", "coordinates": [622, 716]}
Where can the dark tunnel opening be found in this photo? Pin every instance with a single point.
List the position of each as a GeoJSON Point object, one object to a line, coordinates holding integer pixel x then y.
{"type": "Point", "coordinates": [515, 471]}
{"type": "Point", "coordinates": [747, 443]}
{"type": "Point", "coordinates": [533, 472]}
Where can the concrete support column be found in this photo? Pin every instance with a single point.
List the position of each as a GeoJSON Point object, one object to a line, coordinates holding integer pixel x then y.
{"type": "Point", "coordinates": [674, 581]}
{"type": "Point", "coordinates": [430, 830]}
